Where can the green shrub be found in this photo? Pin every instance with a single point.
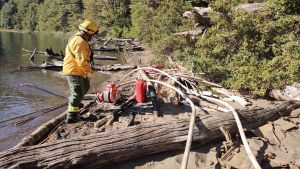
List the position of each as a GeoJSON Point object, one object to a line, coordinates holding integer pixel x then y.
{"type": "Point", "coordinates": [251, 51]}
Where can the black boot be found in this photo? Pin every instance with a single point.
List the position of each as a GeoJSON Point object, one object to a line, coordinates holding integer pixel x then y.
{"type": "Point", "coordinates": [81, 105]}
{"type": "Point", "coordinates": [71, 118]}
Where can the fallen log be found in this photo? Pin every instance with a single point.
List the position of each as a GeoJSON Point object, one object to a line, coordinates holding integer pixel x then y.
{"type": "Point", "coordinates": [109, 147]}
{"type": "Point", "coordinates": [37, 52]}
{"type": "Point", "coordinates": [49, 52]}
{"type": "Point", "coordinates": [120, 45]}
{"type": "Point", "coordinates": [44, 65]}
{"type": "Point", "coordinates": [114, 67]}
{"type": "Point", "coordinates": [102, 48]}
{"type": "Point", "coordinates": [135, 48]}
{"type": "Point", "coordinates": [107, 41]}
{"type": "Point", "coordinates": [57, 65]}
{"type": "Point", "coordinates": [107, 49]}
{"type": "Point", "coordinates": [100, 57]}
{"type": "Point", "coordinates": [42, 132]}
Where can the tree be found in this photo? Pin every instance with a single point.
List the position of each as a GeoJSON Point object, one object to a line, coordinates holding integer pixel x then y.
{"type": "Point", "coordinates": [154, 22]}
{"type": "Point", "coordinates": [30, 20]}
{"type": "Point", "coordinates": [111, 15]}
{"type": "Point", "coordinates": [57, 15]}
{"type": "Point", "coordinates": [7, 15]}
{"type": "Point", "coordinates": [21, 18]}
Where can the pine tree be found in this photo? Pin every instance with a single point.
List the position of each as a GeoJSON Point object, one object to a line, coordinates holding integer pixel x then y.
{"type": "Point", "coordinates": [7, 15]}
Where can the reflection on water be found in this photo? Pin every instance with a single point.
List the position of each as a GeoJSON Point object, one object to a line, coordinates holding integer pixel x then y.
{"type": "Point", "coordinates": [16, 99]}
{"type": "Point", "coordinates": [48, 87]}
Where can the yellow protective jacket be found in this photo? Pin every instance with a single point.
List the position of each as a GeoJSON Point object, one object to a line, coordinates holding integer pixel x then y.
{"type": "Point", "coordinates": [77, 59]}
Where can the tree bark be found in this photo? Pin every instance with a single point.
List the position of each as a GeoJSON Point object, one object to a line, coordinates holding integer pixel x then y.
{"type": "Point", "coordinates": [136, 141]}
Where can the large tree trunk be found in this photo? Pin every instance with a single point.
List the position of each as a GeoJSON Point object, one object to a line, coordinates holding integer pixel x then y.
{"type": "Point", "coordinates": [137, 141]}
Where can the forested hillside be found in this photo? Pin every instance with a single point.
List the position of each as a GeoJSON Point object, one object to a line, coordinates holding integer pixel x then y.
{"type": "Point", "coordinates": [249, 51]}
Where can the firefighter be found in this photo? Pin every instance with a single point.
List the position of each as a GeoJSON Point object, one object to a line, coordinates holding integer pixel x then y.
{"type": "Point", "coordinates": [77, 67]}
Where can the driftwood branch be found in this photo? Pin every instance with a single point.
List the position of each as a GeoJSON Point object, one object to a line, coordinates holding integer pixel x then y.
{"type": "Point", "coordinates": [114, 67]}
{"type": "Point", "coordinates": [37, 52]}
{"type": "Point", "coordinates": [201, 16]}
{"type": "Point", "coordinates": [131, 120]}
{"type": "Point", "coordinates": [202, 11]}
{"type": "Point", "coordinates": [114, 115]}
{"type": "Point", "coordinates": [32, 55]}
{"type": "Point", "coordinates": [101, 57]}
{"type": "Point", "coordinates": [238, 99]}
{"type": "Point", "coordinates": [120, 44]}
{"type": "Point", "coordinates": [253, 7]}
{"type": "Point", "coordinates": [45, 65]}
{"type": "Point", "coordinates": [106, 49]}
{"type": "Point", "coordinates": [190, 33]}
{"type": "Point", "coordinates": [49, 52]}
{"type": "Point", "coordinates": [109, 147]}
{"type": "Point", "coordinates": [57, 65]}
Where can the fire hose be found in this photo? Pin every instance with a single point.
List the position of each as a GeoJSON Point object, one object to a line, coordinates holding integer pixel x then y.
{"type": "Point", "coordinates": [190, 133]}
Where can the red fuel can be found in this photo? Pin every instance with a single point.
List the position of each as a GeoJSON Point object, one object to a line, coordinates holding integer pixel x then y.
{"type": "Point", "coordinates": [140, 91]}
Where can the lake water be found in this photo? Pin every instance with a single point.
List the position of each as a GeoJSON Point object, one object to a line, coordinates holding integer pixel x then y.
{"type": "Point", "coordinates": [50, 87]}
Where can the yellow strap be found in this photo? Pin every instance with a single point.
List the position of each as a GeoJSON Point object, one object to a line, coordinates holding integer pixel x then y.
{"type": "Point", "coordinates": [72, 109]}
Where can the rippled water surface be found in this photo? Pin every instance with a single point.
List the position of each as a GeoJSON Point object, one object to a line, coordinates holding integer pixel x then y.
{"type": "Point", "coordinates": [47, 88]}
{"type": "Point", "coordinates": [16, 99]}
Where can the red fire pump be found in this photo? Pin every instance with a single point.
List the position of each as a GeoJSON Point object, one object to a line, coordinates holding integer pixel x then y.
{"type": "Point", "coordinates": [109, 95]}
{"type": "Point", "coordinates": [140, 91]}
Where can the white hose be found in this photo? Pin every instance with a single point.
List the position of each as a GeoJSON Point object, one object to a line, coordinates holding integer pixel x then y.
{"type": "Point", "coordinates": [189, 140]}
{"type": "Point", "coordinates": [160, 71]}
{"type": "Point", "coordinates": [191, 127]}
{"type": "Point", "coordinates": [193, 117]}
{"type": "Point", "coordinates": [240, 128]}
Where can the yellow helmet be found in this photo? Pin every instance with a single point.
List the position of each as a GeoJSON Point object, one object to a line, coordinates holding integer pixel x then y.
{"type": "Point", "coordinates": [89, 27]}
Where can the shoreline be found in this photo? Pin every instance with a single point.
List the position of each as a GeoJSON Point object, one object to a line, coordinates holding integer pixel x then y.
{"type": "Point", "coordinates": [201, 156]}
{"type": "Point", "coordinates": [36, 32]}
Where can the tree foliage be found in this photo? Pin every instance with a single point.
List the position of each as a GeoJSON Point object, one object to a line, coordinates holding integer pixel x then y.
{"type": "Point", "coordinates": [8, 12]}
{"type": "Point", "coordinates": [248, 51]}
{"type": "Point", "coordinates": [59, 15]}
{"type": "Point", "coordinates": [155, 21]}
{"type": "Point", "coordinates": [112, 15]}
